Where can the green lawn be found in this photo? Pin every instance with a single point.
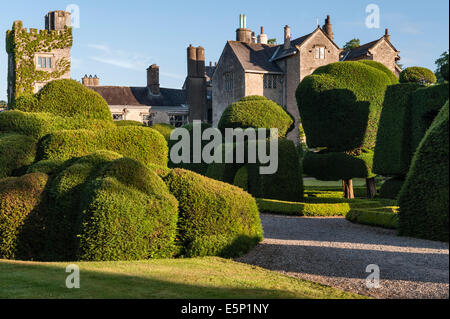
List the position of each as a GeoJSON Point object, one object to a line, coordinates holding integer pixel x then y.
{"type": "Point", "coordinates": [210, 277]}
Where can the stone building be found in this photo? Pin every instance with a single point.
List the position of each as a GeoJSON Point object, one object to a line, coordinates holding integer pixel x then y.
{"type": "Point", "coordinates": [251, 66]}
{"type": "Point", "coordinates": [381, 50]}
{"type": "Point", "coordinates": [38, 57]}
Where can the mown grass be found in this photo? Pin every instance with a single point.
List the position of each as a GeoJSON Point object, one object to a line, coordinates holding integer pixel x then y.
{"type": "Point", "coordinates": [210, 277]}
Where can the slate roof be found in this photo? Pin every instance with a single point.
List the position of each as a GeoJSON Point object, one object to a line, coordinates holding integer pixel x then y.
{"type": "Point", "coordinates": [362, 50]}
{"type": "Point", "coordinates": [140, 96]}
{"type": "Point", "coordinates": [255, 56]}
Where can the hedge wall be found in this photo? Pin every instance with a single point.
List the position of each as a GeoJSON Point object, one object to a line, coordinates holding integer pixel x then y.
{"type": "Point", "coordinates": [417, 74]}
{"type": "Point", "coordinates": [393, 150]}
{"type": "Point", "coordinates": [20, 206]}
{"type": "Point", "coordinates": [140, 143]}
{"type": "Point", "coordinates": [38, 125]}
{"type": "Point", "coordinates": [423, 200]}
{"type": "Point", "coordinates": [67, 98]}
{"type": "Point", "coordinates": [215, 218]}
{"type": "Point", "coordinates": [128, 123]}
{"type": "Point", "coordinates": [256, 112]}
{"type": "Point", "coordinates": [17, 152]}
{"type": "Point", "coordinates": [340, 105]}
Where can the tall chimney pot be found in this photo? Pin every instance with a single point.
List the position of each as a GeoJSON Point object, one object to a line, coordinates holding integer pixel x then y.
{"type": "Point", "coordinates": [287, 37]}
{"type": "Point", "coordinates": [153, 79]}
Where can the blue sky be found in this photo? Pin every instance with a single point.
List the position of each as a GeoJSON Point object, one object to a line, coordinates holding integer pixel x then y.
{"type": "Point", "coordinates": [118, 40]}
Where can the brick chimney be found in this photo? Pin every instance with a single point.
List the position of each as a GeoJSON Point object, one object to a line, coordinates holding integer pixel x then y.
{"type": "Point", "coordinates": [201, 61]}
{"type": "Point", "coordinates": [196, 83]}
{"type": "Point", "coordinates": [262, 38]}
{"type": "Point", "coordinates": [153, 79]}
{"type": "Point", "coordinates": [287, 37]}
{"type": "Point", "coordinates": [387, 35]}
{"type": "Point", "coordinates": [243, 34]}
{"type": "Point", "coordinates": [328, 28]}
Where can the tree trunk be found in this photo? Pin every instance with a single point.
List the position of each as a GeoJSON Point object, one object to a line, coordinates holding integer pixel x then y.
{"type": "Point", "coordinates": [348, 188]}
{"type": "Point", "coordinates": [371, 187]}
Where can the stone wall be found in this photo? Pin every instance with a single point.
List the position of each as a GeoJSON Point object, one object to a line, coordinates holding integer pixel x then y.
{"type": "Point", "coordinates": [385, 54]}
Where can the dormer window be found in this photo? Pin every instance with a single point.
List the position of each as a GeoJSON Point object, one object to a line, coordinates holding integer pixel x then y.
{"type": "Point", "coordinates": [44, 62]}
{"type": "Point", "coordinates": [319, 53]}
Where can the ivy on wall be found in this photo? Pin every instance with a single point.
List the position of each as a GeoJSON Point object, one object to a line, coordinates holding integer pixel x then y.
{"type": "Point", "coordinates": [22, 46]}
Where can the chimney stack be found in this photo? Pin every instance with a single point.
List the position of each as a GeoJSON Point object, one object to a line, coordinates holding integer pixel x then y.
{"type": "Point", "coordinates": [262, 38]}
{"type": "Point", "coordinates": [387, 35]}
{"type": "Point", "coordinates": [57, 20]}
{"type": "Point", "coordinates": [328, 28]}
{"type": "Point", "coordinates": [201, 61]}
{"type": "Point", "coordinates": [153, 79]}
{"type": "Point", "coordinates": [287, 37]}
{"type": "Point", "coordinates": [243, 34]}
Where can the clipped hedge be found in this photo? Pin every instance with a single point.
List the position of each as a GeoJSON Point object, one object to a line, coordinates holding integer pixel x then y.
{"type": "Point", "coordinates": [128, 123]}
{"type": "Point", "coordinates": [375, 218]}
{"type": "Point", "coordinates": [20, 207]}
{"type": "Point", "coordinates": [17, 152]}
{"type": "Point", "coordinates": [303, 209]}
{"type": "Point", "coordinates": [424, 199]}
{"type": "Point", "coordinates": [67, 98]}
{"type": "Point", "coordinates": [38, 125]}
{"type": "Point", "coordinates": [340, 105]}
{"type": "Point", "coordinates": [164, 129]}
{"type": "Point", "coordinates": [383, 68]}
{"type": "Point", "coordinates": [256, 112]}
{"type": "Point", "coordinates": [391, 188]}
{"type": "Point", "coordinates": [241, 178]}
{"type": "Point", "coordinates": [333, 166]}
{"type": "Point", "coordinates": [417, 74]}
{"type": "Point", "coordinates": [140, 143]}
{"type": "Point", "coordinates": [426, 104]}
{"type": "Point", "coordinates": [393, 148]}
{"type": "Point", "coordinates": [129, 215]}
{"type": "Point", "coordinates": [215, 218]}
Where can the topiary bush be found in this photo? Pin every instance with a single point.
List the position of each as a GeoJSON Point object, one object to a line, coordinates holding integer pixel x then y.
{"type": "Point", "coordinates": [37, 125]}
{"type": "Point", "coordinates": [383, 68]}
{"type": "Point", "coordinates": [391, 188]}
{"type": "Point", "coordinates": [128, 123]}
{"type": "Point", "coordinates": [419, 75]}
{"type": "Point", "coordinates": [17, 152]}
{"type": "Point", "coordinates": [392, 155]}
{"type": "Point", "coordinates": [21, 200]}
{"type": "Point", "coordinates": [424, 198]}
{"type": "Point", "coordinates": [67, 98]}
{"type": "Point", "coordinates": [129, 215]}
{"type": "Point", "coordinates": [164, 129]}
{"type": "Point", "coordinates": [215, 218]}
{"type": "Point", "coordinates": [256, 112]}
{"type": "Point", "coordinates": [140, 143]}
{"type": "Point", "coordinates": [241, 178]}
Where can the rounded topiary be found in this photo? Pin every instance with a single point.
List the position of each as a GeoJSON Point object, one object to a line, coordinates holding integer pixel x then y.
{"type": "Point", "coordinates": [256, 112]}
{"type": "Point", "coordinates": [424, 198]}
{"type": "Point", "coordinates": [140, 143]}
{"type": "Point", "coordinates": [21, 230]}
{"type": "Point", "coordinates": [128, 215]}
{"type": "Point", "coordinates": [17, 152]}
{"type": "Point", "coordinates": [417, 74]}
{"type": "Point", "coordinates": [164, 129]}
{"type": "Point", "coordinates": [26, 102]}
{"type": "Point", "coordinates": [383, 68]}
{"type": "Point", "coordinates": [241, 178]}
{"type": "Point", "coordinates": [215, 218]}
{"type": "Point", "coordinates": [340, 105]}
{"type": "Point", "coordinates": [128, 123]}
{"type": "Point", "coordinates": [68, 98]}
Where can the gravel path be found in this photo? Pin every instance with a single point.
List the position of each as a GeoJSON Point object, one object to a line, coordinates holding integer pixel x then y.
{"type": "Point", "coordinates": [335, 252]}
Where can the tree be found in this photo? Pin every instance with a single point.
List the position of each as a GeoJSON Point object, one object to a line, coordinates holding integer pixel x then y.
{"type": "Point", "coordinates": [272, 41]}
{"type": "Point", "coordinates": [353, 43]}
{"type": "Point", "coordinates": [3, 104]}
{"type": "Point", "coordinates": [443, 61]}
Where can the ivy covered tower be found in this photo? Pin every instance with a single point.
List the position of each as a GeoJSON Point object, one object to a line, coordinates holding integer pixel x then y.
{"type": "Point", "coordinates": [38, 57]}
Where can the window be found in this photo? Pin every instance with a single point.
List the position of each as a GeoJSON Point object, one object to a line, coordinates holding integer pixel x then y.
{"type": "Point", "coordinates": [178, 120]}
{"type": "Point", "coordinates": [320, 53]}
{"type": "Point", "coordinates": [118, 117]}
{"type": "Point", "coordinates": [228, 81]}
{"type": "Point", "coordinates": [44, 63]}
{"type": "Point", "coordinates": [147, 119]}
{"type": "Point", "coordinates": [270, 81]}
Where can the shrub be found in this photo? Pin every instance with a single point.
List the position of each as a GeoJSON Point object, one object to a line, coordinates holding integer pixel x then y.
{"type": "Point", "coordinates": [211, 212]}
{"type": "Point", "coordinates": [303, 209]}
{"type": "Point", "coordinates": [140, 143]}
{"type": "Point", "coordinates": [38, 125]}
{"type": "Point", "coordinates": [128, 123]}
{"type": "Point", "coordinates": [380, 66]}
{"type": "Point", "coordinates": [49, 167]}
{"type": "Point", "coordinates": [241, 178]}
{"type": "Point", "coordinates": [424, 198]}
{"type": "Point", "coordinates": [16, 153]}
{"type": "Point", "coordinates": [340, 105]}
{"type": "Point", "coordinates": [256, 112]}
{"type": "Point", "coordinates": [391, 188]}
{"type": "Point", "coordinates": [374, 218]}
{"type": "Point", "coordinates": [20, 206]}
{"type": "Point", "coordinates": [26, 102]}
{"type": "Point", "coordinates": [392, 151]}
{"type": "Point", "coordinates": [68, 98]}
{"type": "Point", "coordinates": [417, 74]}
{"type": "Point", "coordinates": [164, 129]}
{"type": "Point", "coordinates": [129, 215]}
{"type": "Point", "coordinates": [201, 167]}
{"type": "Point", "coordinates": [426, 104]}
{"type": "Point", "coordinates": [344, 166]}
